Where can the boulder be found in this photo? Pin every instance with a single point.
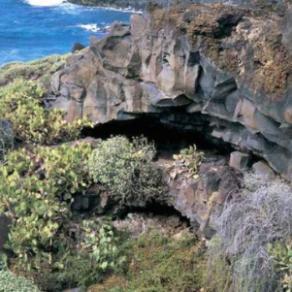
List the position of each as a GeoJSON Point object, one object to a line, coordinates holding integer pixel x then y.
{"type": "Point", "coordinates": [263, 170]}
{"type": "Point", "coordinates": [239, 160]}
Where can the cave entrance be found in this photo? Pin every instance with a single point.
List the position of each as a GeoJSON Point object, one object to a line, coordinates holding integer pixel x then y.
{"type": "Point", "coordinates": [168, 137]}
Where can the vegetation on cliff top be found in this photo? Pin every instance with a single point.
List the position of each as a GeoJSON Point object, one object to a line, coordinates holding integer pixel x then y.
{"type": "Point", "coordinates": [39, 70]}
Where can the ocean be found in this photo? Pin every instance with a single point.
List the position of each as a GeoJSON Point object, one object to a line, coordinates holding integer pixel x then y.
{"type": "Point", "coordinates": [31, 29]}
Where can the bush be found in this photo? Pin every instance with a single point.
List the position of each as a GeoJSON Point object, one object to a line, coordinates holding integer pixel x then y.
{"type": "Point", "coordinates": [125, 168]}
{"type": "Point", "coordinates": [36, 191]}
{"type": "Point", "coordinates": [281, 253]}
{"type": "Point", "coordinates": [49, 243]}
{"type": "Point", "coordinates": [6, 138]}
{"type": "Point", "coordinates": [12, 283]}
{"type": "Point", "coordinates": [97, 252]}
{"type": "Point", "coordinates": [21, 104]}
{"type": "Point", "coordinates": [246, 227]}
{"type": "Point", "coordinates": [217, 274]}
{"type": "Point", "coordinates": [191, 159]}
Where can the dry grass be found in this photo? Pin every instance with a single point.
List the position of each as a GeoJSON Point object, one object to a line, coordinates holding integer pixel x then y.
{"type": "Point", "coordinates": [261, 215]}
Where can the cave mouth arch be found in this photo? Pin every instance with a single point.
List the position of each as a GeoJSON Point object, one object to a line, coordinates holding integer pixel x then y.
{"type": "Point", "coordinates": [169, 137]}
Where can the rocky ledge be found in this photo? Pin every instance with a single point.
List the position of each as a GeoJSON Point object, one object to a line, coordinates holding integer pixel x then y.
{"type": "Point", "coordinates": [222, 69]}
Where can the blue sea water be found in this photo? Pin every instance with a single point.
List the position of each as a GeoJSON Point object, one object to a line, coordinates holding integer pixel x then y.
{"type": "Point", "coordinates": [30, 29]}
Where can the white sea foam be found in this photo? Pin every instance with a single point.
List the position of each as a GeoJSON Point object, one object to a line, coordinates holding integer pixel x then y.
{"type": "Point", "coordinates": [45, 2]}
{"type": "Point", "coordinates": [90, 27]}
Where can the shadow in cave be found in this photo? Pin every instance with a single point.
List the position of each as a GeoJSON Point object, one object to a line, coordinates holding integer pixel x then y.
{"type": "Point", "coordinates": [168, 138]}
{"type": "Point", "coordinates": [155, 209]}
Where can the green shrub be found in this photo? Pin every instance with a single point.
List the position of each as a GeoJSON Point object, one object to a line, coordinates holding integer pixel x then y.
{"type": "Point", "coordinates": [12, 283]}
{"type": "Point", "coordinates": [159, 263]}
{"type": "Point", "coordinates": [98, 253]}
{"type": "Point", "coordinates": [49, 243]}
{"type": "Point", "coordinates": [190, 158]}
{"type": "Point", "coordinates": [36, 192]}
{"type": "Point", "coordinates": [6, 138]}
{"type": "Point", "coordinates": [21, 104]}
{"type": "Point", "coordinates": [282, 256]}
{"type": "Point", "coordinates": [125, 168]}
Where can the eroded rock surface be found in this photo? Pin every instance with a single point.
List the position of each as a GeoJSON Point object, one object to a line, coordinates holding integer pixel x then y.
{"type": "Point", "coordinates": [201, 198]}
{"type": "Point", "coordinates": [226, 66]}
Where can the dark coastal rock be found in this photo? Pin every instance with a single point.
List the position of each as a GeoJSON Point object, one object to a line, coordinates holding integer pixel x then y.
{"type": "Point", "coordinates": [226, 66]}
{"type": "Point", "coordinates": [77, 47]}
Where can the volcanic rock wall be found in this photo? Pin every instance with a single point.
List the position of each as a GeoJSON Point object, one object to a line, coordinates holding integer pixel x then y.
{"type": "Point", "coordinates": [229, 66]}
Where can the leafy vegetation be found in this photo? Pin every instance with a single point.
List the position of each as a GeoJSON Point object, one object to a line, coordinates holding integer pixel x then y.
{"type": "Point", "coordinates": [281, 253]}
{"type": "Point", "coordinates": [190, 158]}
{"type": "Point", "coordinates": [40, 70]}
{"type": "Point", "coordinates": [125, 168]}
{"type": "Point", "coordinates": [38, 187]}
{"type": "Point", "coordinates": [36, 191]}
{"type": "Point", "coordinates": [6, 138]}
{"type": "Point", "coordinates": [12, 283]}
{"type": "Point", "coordinates": [99, 253]}
{"type": "Point", "coordinates": [159, 263]}
{"type": "Point", "coordinates": [21, 104]}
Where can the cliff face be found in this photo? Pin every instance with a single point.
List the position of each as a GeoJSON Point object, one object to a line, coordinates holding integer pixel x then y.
{"type": "Point", "coordinates": [223, 69]}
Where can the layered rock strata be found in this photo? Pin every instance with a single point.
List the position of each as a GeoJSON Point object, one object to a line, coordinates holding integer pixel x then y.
{"type": "Point", "coordinates": [228, 67]}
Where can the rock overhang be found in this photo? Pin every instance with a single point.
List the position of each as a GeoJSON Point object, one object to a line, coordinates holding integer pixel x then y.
{"type": "Point", "coordinates": [224, 62]}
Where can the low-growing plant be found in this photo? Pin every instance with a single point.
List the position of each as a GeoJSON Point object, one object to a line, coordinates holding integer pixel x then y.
{"type": "Point", "coordinates": [190, 158]}
{"type": "Point", "coordinates": [217, 273]}
{"type": "Point", "coordinates": [126, 169]}
{"type": "Point", "coordinates": [281, 253]}
{"type": "Point", "coordinates": [160, 263]}
{"type": "Point", "coordinates": [6, 138]}
{"type": "Point", "coordinates": [96, 253]}
{"type": "Point", "coordinates": [21, 104]}
{"type": "Point", "coordinates": [12, 283]}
